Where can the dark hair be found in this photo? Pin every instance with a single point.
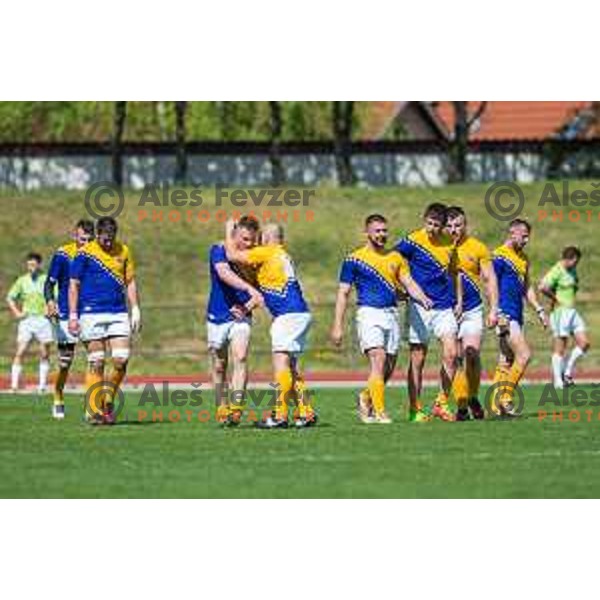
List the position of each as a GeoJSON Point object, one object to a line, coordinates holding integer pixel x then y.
{"type": "Point", "coordinates": [516, 222]}
{"type": "Point", "coordinates": [375, 218]}
{"type": "Point", "coordinates": [436, 210]}
{"type": "Point", "coordinates": [86, 225]}
{"type": "Point", "coordinates": [571, 252]}
{"type": "Point", "coordinates": [250, 223]}
{"type": "Point", "coordinates": [104, 224]}
{"type": "Point", "coordinates": [35, 256]}
{"type": "Point", "coordinates": [455, 211]}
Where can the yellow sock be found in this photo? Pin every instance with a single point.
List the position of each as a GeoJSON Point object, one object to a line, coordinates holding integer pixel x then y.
{"type": "Point", "coordinates": [116, 379]}
{"type": "Point", "coordinates": [59, 386]}
{"type": "Point", "coordinates": [285, 383]}
{"type": "Point", "coordinates": [514, 376]}
{"type": "Point", "coordinates": [500, 375]}
{"type": "Point", "coordinates": [304, 401]}
{"type": "Point", "coordinates": [93, 396]}
{"type": "Point", "coordinates": [376, 388]}
{"type": "Point", "coordinates": [460, 388]}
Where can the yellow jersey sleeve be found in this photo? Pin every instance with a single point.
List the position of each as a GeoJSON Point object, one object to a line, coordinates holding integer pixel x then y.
{"type": "Point", "coordinates": [258, 255]}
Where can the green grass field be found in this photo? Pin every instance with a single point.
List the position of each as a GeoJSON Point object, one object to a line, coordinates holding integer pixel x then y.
{"type": "Point", "coordinates": [339, 459]}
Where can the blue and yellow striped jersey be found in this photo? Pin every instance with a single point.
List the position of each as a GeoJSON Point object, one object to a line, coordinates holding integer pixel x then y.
{"type": "Point", "coordinates": [58, 274]}
{"type": "Point", "coordinates": [511, 269]}
{"type": "Point", "coordinates": [430, 264]}
{"type": "Point", "coordinates": [375, 276]}
{"type": "Point", "coordinates": [472, 256]}
{"type": "Point", "coordinates": [103, 277]}
{"type": "Point", "coordinates": [277, 280]}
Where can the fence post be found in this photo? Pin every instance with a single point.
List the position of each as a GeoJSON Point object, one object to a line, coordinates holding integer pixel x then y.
{"type": "Point", "coordinates": [120, 117]}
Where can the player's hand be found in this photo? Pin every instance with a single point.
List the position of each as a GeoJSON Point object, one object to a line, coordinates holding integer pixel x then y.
{"type": "Point", "coordinates": [136, 319]}
{"type": "Point", "coordinates": [229, 227]}
{"type": "Point", "coordinates": [427, 302]}
{"type": "Point", "coordinates": [73, 326]}
{"type": "Point", "coordinates": [256, 301]}
{"type": "Point", "coordinates": [19, 314]}
{"type": "Point", "coordinates": [543, 318]}
{"type": "Point", "coordinates": [337, 335]}
{"type": "Point", "coordinates": [239, 312]}
{"type": "Point", "coordinates": [51, 309]}
{"type": "Point", "coordinates": [492, 318]}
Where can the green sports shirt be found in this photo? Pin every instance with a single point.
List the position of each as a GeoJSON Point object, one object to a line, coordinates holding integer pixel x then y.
{"type": "Point", "coordinates": [564, 283]}
{"type": "Point", "coordinates": [29, 293]}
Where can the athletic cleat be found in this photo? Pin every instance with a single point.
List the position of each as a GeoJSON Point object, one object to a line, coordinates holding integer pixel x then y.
{"type": "Point", "coordinates": [568, 381]}
{"type": "Point", "coordinates": [364, 410]}
{"type": "Point", "coordinates": [382, 418]}
{"type": "Point", "coordinates": [93, 419]}
{"type": "Point", "coordinates": [418, 415]}
{"type": "Point", "coordinates": [476, 409]}
{"type": "Point", "coordinates": [108, 416]}
{"type": "Point", "coordinates": [442, 412]}
{"type": "Point", "coordinates": [233, 419]}
{"type": "Point", "coordinates": [462, 414]}
{"type": "Point", "coordinates": [309, 421]}
{"type": "Point", "coordinates": [272, 423]}
{"type": "Point", "coordinates": [58, 411]}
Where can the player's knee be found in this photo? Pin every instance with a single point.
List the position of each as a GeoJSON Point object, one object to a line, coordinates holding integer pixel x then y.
{"type": "Point", "coordinates": [96, 360]}
{"type": "Point", "coordinates": [120, 358]}
{"type": "Point", "coordinates": [66, 353]}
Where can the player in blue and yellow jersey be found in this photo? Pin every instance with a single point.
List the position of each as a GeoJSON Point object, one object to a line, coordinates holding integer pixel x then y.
{"type": "Point", "coordinates": [278, 283]}
{"type": "Point", "coordinates": [228, 322]}
{"type": "Point", "coordinates": [432, 259]}
{"type": "Point", "coordinates": [475, 271]}
{"type": "Point", "coordinates": [378, 275]}
{"type": "Point", "coordinates": [102, 284]}
{"type": "Point", "coordinates": [58, 307]}
{"type": "Point", "coordinates": [511, 265]}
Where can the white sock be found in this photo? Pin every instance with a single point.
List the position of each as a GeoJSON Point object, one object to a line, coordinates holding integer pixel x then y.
{"type": "Point", "coordinates": [44, 368]}
{"type": "Point", "coordinates": [557, 370]}
{"type": "Point", "coordinates": [15, 375]}
{"type": "Point", "coordinates": [576, 354]}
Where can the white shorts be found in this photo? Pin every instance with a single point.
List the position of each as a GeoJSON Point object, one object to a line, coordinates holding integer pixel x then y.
{"type": "Point", "coordinates": [289, 331]}
{"type": "Point", "coordinates": [378, 328]}
{"type": "Point", "coordinates": [220, 334]}
{"type": "Point", "coordinates": [565, 322]}
{"type": "Point", "coordinates": [34, 327]}
{"type": "Point", "coordinates": [471, 323]}
{"type": "Point", "coordinates": [63, 336]}
{"type": "Point", "coordinates": [423, 323]}
{"type": "Point", "coordinates": [102, 326]}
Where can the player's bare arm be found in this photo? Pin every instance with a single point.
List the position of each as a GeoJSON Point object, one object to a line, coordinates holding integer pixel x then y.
{"type": "Point", "coordinates": [17, 313]}
{"type": "Point", "coordinates": [134, 306]}
{"type": "Point", "coordinates": [532, 299]}
{"type": "Point", "coordinates": [415, 292]}
{"type": "Point", "coordinates": [73, 306]}
{"type": "Point", "coordinates": [228, 276]}
{"type": "Point", "coordinates": [51, 307]}
{"type": "Point", "coordinates": [457, 283]}
{"type": "Point", "coordinates": [488, 276]}
{"type": "Point", "coordinates": [231, 249]}
{"type": "Point", "coordinates": [341, 304]}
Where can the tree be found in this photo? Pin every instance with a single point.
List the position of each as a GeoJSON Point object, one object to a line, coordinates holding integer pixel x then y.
{"type": "Point", "coordinates": [459, 145]}
{"type": "Point", "coordinates": [120, 117]}
{"type": "Point", "coordinates": [276, 126]}
{"type": "Point", "coordinates": [181, 162]}
{"type": "Point", "coordinates": [343, 113]}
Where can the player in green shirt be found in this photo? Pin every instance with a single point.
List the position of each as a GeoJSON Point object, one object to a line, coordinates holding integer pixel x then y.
{"type": "Point", "coordinates": [560, 285]}
{"type": "Point", "coordinates": [27, 304]}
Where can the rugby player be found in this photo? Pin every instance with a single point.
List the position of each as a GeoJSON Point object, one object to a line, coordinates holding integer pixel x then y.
{"type": "Point", "coordinates": [432, 259]}
{"type": "Point", "coordinates": [475, 270]}
{"type": "Point", "coordinates": [228, 322]}
{"type": "Point", "coordinates": [26, 303]}
{"type": "Point", "coordinates": [377, 275]}
{"type": "Point", "coordinates": [511, 266]}
{"type": "Point", "coordinates": [278, 282]}
{"type": "Point", "coordinates": [560, 285]}
{"type": "Point", "coordinates": [58, 308]}
{"type": "Point", "coordinates": [102, 284]}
